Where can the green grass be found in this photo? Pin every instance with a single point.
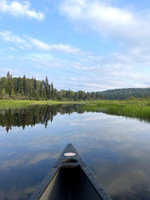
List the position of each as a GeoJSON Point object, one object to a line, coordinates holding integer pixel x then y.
{"type": "Point", "coordinates": [6, 104]}
{"type": "Point", "coordinates": [138, 108]}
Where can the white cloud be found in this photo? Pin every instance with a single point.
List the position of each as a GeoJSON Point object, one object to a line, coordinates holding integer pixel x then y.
{"type": "Point", "coordinates": [18, 9]}
{"type": "Point", "coordinates": [9, 36]}
{"type": "Point", "coordinates": [28, 42]}
{"type": "Point", "coordinates": [39, 44]}
{"type": "Point", "coordinates": [108, 20]}
{"type": "Point", "coordinates": [54, 47]}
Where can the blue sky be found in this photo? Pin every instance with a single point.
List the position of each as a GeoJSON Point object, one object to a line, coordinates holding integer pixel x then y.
{"type": "Point", "coordinates": [90, 45]}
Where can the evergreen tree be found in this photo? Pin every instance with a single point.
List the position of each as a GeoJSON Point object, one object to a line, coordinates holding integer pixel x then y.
{"type": "Point", "coordinates": [9, 84]}
{"type": "Point", "coordinates": [47, 88]}
{"type": "Point", "coordinates": [34, 84]}
{"type": "Point", "coordinates": [24, 85]}
{"type": "Point", "coordinates": [20, 86]}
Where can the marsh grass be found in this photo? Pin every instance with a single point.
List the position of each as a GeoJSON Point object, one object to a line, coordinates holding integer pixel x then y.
{"type": "Point", "coordinates": [138, 108]}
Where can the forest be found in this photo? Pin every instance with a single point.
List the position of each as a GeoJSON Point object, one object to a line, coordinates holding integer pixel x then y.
{"type": "Point", "coordinates": [31, 89]}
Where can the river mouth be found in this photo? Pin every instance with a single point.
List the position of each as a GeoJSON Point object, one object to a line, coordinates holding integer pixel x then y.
{"type": "Point", "coordinates": [115, 148]}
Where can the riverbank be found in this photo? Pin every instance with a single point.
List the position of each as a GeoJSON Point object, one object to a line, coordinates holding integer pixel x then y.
{"type": "Point", "coordinates": [137, 108]}
{"type": "Point", "coordinates": [6, 104]}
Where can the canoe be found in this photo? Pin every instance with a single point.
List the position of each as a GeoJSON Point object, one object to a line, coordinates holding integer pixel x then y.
{"type": "Point", "coordinates": [70, 179]}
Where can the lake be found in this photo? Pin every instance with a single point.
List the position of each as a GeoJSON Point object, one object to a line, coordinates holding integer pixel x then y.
{"type": "Point", "coordinates": [116, 149]}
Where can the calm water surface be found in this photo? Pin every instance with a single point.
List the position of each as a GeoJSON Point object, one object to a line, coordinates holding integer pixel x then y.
{"type": "Point", "coordinates": [116, 149]}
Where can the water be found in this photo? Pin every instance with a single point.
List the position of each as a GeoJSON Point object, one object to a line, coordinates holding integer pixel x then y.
{"type": "Point", "coordinates": [116, 149]}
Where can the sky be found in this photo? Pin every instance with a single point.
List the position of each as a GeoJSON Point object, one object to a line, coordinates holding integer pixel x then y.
{"type": "Point", "coordinates": [90, 45]}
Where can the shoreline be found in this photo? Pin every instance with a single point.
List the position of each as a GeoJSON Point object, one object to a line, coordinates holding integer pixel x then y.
{"type": "Point", "coordinates": [137, 108]}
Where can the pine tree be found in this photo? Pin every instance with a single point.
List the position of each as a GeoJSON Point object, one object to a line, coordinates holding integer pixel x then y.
{"type": "Point", "coordinates": [9, 83]}
{"type": "Point", "coordinates": [34, 84]}
{"type": "Point", "coordinates": [20, 86]}
{"type": "Point", "coordinates": [24, 85]}
{"type": "Point", "coordinates": [47, 88]}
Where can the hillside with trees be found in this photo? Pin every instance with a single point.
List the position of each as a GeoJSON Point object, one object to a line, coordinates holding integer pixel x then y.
{"type": "Point", "coordinates": [32, 89]}
{"type": "Point", "coordinates": [126, 93]}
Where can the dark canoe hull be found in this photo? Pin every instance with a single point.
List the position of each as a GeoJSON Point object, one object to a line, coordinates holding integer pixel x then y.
{"type": "Point", "coordinates": [70, 179]}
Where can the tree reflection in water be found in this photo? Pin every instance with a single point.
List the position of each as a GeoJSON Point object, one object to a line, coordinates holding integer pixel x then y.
{"type": "Point", "coordinates": [32, 115]}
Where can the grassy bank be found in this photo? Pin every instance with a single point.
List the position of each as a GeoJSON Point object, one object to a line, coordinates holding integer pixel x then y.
{"type": "Point", "coordinates": [137, 108]}
{"type": "Point", "coordinates": [6, 104]}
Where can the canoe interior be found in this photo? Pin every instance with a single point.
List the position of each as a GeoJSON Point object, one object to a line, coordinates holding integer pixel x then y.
{"type": "Point", "coordinates": [70, 183]}
{"type": "Point", "coordinates": [70, 179]}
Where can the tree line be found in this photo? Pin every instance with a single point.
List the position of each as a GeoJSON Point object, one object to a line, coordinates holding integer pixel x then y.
{"type": "Point", "coordinates": [32, 89]}
{"type": "Point", "coordinates": [25, 88]}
